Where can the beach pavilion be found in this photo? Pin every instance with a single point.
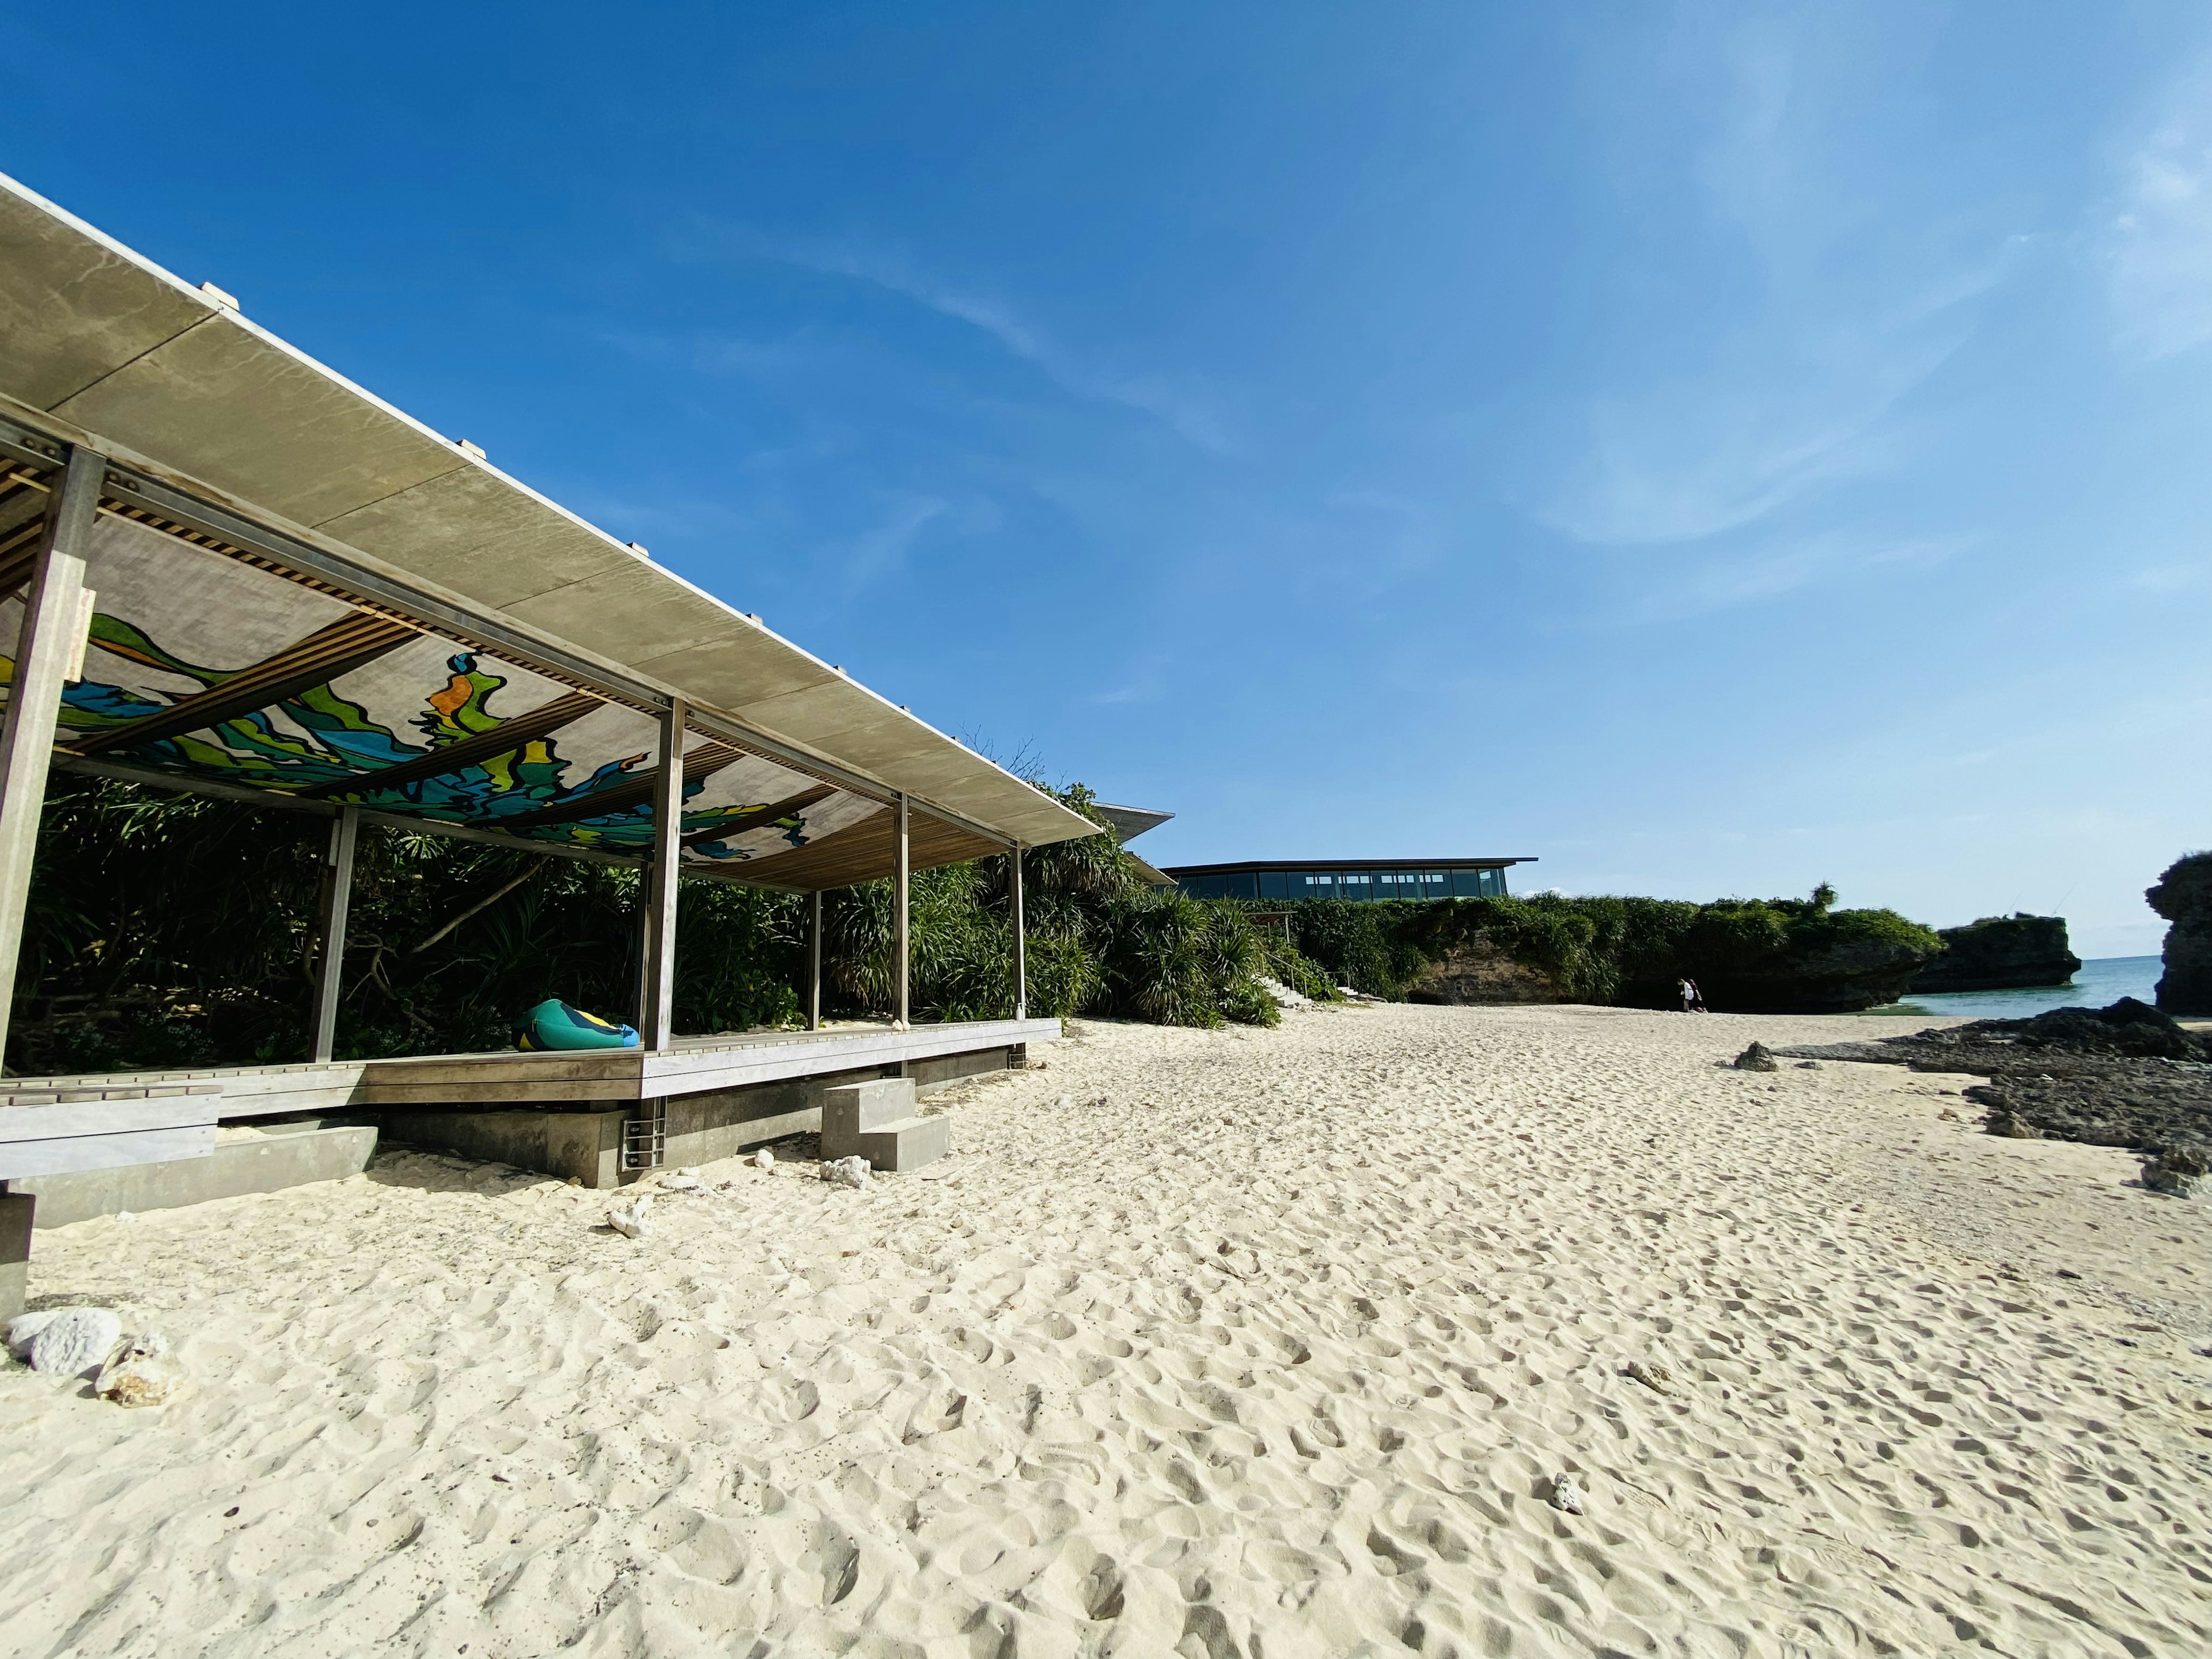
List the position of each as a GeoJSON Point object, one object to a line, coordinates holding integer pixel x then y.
{"type": "Point", "coordinates": [225, 568]}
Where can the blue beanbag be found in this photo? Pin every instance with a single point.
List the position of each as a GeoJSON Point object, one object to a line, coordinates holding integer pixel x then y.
{"type": "Point", "coordinates": [554, 1024]}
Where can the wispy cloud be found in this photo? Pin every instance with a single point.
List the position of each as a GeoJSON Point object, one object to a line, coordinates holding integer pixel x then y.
{"type": "Point", "coordinates": [1183, 403]}
{"type": "Point", "coordinates": [1694, 587]}
{"type": "Point", "coordinates": [883, 548]}
{"type": "Point", "coordinates": [2158, 244]}
{"type": "Point", "coordinates": [1842, 318]}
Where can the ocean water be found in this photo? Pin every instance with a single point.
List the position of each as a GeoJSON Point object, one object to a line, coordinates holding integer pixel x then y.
{"type": "Point", "coordinates": [2099, 984]}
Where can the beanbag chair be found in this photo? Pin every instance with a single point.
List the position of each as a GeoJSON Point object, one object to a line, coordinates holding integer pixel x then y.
{"type": "Point", "coordinates": [554, 1024]}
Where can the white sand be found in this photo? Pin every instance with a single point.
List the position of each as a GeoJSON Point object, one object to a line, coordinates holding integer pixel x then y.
{"type": "Point", "coordinates": [1243, 1343]}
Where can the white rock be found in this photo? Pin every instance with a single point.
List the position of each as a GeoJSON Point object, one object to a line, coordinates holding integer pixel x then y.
{"type": "Point", "coordinates": [1565, 1495]}
{"type": "Point", "coordinates": [764, 1159]}
{"type": "Point", "coordinates": [847, 1172]}
{"type": "Point", "coordinates": [142, 1371]}
{"type": "Point", "coordinates": [74, 1341]}
{"type": "Point", "coordinates": [683, 1182]}
{"type": "Point", "coordinates": [629, 1219]}
{"type": "Point", "coordinates": [24, 1326]}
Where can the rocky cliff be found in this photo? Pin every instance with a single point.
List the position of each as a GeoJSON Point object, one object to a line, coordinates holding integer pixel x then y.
{"type": "Point", "coordinates": [1999, 952]}
{"type": "Point", "coordinates": [2184, 898]}
{"type": "Point", "coordinates": [1477, 970]}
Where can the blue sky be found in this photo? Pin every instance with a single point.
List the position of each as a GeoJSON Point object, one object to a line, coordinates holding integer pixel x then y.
{"type": "Point", "coordinates": [1715, 449]}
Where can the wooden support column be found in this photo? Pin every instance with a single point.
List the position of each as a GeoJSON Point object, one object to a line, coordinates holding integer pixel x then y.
{"type": "Point", "coordinates": [1021, 939]}
{"type": "Point", "coordinates": [656, 1012]}
{"type": "Point", "coordinates": [49, 653]}
{"type": "Point", "coordinates": [337, 899]}
{"type": "Point", "coordinates": [814, 961]}
{"type": "Point", "coordinates": [901, 944]}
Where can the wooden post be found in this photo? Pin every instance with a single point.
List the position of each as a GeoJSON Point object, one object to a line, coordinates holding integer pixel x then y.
{"type": "Point", "coordinates": [1021, 939]}
{"type": "Point", "coordinates": [46, 653]}
{"type": "Point", "coordinates": [656, 1021]}
{"type": "Point", "coordinates": [337, 898]}
{"type": "Point", "coordinates": [814, 961]}
{"type": "Point", "coordinates": [901, 945]}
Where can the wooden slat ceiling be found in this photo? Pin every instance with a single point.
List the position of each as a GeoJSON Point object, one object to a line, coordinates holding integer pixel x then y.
{"type": "Point", "coordinates": [864, 853]}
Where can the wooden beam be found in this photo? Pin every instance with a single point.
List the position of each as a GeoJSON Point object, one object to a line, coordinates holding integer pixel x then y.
{"type": "Point", "coordinates": [902, 930]}
{"type": "Point", "coordinates": [44, 652]}
{"type": "Point", "coordinates": [360, 637]}
{"type": "Point", "coordinates": [656, 1024]}
{"type": "Point", "coordinates": [859, 852]}
{"type": "Point", "coordinates": [760, 815]}
{"type": "Point", "coordinates": [814, 962]}
{"type": "Point", "coordinates": [635, 790]}
{"type": "Point", "coordinates": [1021, 941]}
{"type": "Point", "coordinates": [336, 900]}
{"type": "Point", "coordinates": [504, 738]}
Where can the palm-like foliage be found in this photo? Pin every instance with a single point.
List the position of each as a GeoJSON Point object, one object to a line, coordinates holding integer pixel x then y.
{"type": "Point", "coordinates": [169, 930]}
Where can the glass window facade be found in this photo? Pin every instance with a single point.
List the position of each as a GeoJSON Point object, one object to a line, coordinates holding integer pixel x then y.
{"type": "Point", "coordinates": [1354, 882]}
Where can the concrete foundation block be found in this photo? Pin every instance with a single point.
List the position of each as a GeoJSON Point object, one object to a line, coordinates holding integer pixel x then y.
{"type": "Point", "coordinates": [897, 1148]}
{"type": "Point", "coordinates": [851, 1107]}
{"type": "Point", "coordinates": [582, 1145]}
{"type": "Point", "coordinates": [942, 1070]}
{"type": "Point", "coordinates": [16, 1213]}
{"type": "Point", "coordinates": [282, 1155]}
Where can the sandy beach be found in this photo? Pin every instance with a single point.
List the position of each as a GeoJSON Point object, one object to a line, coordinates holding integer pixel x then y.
{"type": "Point", "coordinates": [1260, 1344]}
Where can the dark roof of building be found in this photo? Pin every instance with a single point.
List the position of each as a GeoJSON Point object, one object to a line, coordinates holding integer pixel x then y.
{"type": "Point", "coordinates": [1297, 866]}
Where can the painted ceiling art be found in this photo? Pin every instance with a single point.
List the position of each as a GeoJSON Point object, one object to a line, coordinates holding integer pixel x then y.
{"type": "Point", "coordinates": [203, 665]}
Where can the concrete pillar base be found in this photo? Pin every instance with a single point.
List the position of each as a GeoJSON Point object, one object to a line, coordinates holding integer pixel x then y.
{"type": "Point", "coordinates": [16, 1210]}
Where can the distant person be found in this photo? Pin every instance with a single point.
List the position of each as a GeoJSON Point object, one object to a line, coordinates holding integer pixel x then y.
{"type": "Point", "coordinates": [1693, 1001]}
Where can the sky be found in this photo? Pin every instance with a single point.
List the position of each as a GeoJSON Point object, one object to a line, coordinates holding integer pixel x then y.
{"type": "Point", "coordinates": [1712, 448]}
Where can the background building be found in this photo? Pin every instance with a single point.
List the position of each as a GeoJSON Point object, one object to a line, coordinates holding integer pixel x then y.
{"type": "Point", "coordinates": [1364, 878]}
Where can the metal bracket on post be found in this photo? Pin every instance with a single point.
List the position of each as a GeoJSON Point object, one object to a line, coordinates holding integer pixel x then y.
{"type": "Point", "coordinates": [49, 651]}
{"type": "Point", "coordinates": [645, 1136]}
{"type": "Point", "coordinates": [656, 1012]}
{"type": "Point", "coordinates": [336, 900]}
{"type": "Point", "coordinates": [902, 953]}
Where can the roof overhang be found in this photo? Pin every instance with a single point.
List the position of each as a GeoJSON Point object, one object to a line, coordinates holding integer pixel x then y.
{"type": "Point", "coordinates": [224, 436]}
{"type": "Point", "coordinates": [1299, 867]}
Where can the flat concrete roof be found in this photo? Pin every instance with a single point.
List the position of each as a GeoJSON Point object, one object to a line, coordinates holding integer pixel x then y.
{"type": "Point", "coordinates": [101, 343]}
{"type": "Point", "coordinates": [1299, 866]}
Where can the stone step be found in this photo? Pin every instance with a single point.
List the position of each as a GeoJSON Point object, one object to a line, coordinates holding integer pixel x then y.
{"type": "Point", "coordinates": [895, 1148]}
{"type": "Point", "coordinates": [851, 1108]}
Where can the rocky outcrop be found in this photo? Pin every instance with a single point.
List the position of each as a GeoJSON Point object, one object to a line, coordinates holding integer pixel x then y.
{"type": "Point", "coordinates": [2122, 1076]}
{"type": "Point", "coordinates": [1476, 970]}
{"type": "Point", "coordinates": [2000, 952]}
{"type": "Point", "coordinates": [2184, 898]}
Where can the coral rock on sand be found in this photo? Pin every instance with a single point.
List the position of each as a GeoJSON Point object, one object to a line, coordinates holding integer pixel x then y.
{"type": "Point", "coordinates": [2178, 1170]}
{"type": "Point", "coordinates": [629, 1219]}
{"type": "Point", "coordinates": [847, 1172]}
{"type": "Point", "coordinates": [1756, 1058]}
{"type": "Point", "coordinates": [764, 1159]}
{"type": "Point", "coordinates": [682, 1181]}
{"type": "Point", "coordinates": [1565, 1495]}
{"type": "Point", "coordinates": [1654, 1375]}
{"type": "Point", "coordinates": [64, 1341]}
{"type": "Point", "coordinates": [142, 1372]}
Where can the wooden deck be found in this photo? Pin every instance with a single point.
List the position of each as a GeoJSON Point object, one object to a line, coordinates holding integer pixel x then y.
{"type": "Point", "coordinates": [54, 1124]}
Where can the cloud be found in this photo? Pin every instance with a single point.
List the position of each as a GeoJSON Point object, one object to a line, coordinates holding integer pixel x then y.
{"type": "Point", "coordinates": [1182, 403]}
{"type": "Point", "coordinates": [2158, 244]}
{"type": "Point", "coordinates": [1837, 306]}
{"type": "Point", "coordinates": [1144, 691]}
{"type": "Point", "coordinates": [1781, 567]}
{"type": "Point", "coordinates": [877, 551]}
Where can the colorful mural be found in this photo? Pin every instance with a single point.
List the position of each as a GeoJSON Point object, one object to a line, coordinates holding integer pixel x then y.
{"type": "Point", "coordinates": [302, 693]}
